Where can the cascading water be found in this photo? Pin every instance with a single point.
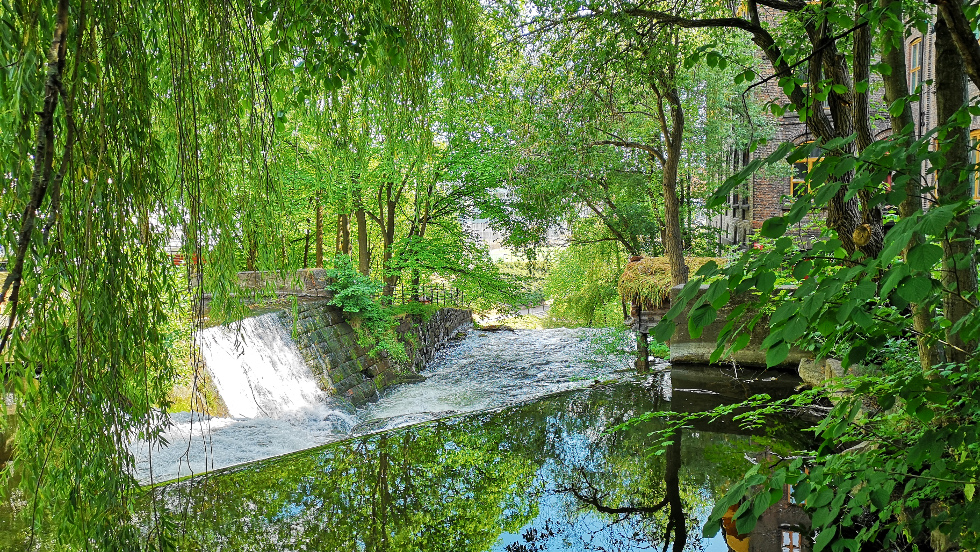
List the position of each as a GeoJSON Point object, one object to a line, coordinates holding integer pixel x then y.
{"type": "Point", "coordinates": [279, 408]}
{"type": "Point", "coordinates": [275, 404]}
{"type": "Point", "coordinates": [257, 369]}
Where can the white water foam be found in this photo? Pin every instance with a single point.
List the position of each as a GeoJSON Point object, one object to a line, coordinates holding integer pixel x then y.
{"type": "Point", "coordinates": [279, 408]}
{"type": "Point", "coordinates": [257, 369]}
{"type": "Point", "coordinates": [275, 404]}
{"type": "Point", "coordinates": [198, 444]}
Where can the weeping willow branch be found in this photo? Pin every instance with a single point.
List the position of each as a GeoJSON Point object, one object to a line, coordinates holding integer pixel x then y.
{"type": "Point", "coordinates": [43, 165]}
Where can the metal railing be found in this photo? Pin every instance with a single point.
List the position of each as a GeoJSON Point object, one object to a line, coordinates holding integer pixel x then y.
{"type": "Point", "coordinates": [435, 294]}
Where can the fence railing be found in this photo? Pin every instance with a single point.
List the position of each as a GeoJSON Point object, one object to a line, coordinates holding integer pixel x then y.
{"type": "Point", "coordinates": [435, 294]}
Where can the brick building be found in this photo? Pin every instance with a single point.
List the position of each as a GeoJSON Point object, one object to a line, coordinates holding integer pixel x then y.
{"type": "Point", "coordinates": [769, 192]}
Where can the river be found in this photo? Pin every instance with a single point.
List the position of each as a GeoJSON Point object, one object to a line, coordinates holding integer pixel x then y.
{"type": "Point", "coordinates": [510, 444]}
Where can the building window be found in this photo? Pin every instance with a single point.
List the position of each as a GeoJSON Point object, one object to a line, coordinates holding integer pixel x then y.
{"type": "Point", "coordinates": [975, 160]}
{"type": "Point", "coordinates": [915, 64]}
{"type": "Point", "coordinates": [791, 541]}
{"type": "Point", "coordinates": [799, 183]}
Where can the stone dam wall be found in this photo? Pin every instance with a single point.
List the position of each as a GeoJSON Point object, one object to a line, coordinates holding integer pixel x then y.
{"type": "Point", "coordinates": [344, 367]}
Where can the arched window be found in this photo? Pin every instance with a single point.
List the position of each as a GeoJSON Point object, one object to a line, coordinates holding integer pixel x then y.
{"type": "Point", "coordinates": [799, 182]}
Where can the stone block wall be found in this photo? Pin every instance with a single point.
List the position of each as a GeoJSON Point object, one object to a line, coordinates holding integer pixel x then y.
{"type": "Point", "coordinates": [329, 345]}
{"type": "Point", "coordinates": [344, 367]}
{"type": "Point", "coordinates": [305, 281]}
{"type": "Point", "coordinates": [423, 338]}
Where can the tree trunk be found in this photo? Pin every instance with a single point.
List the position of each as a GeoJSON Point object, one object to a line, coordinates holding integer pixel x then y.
{"type": "Point", "coordinates": [344, 230]}
{"type": "Point", "coordinates": [843, 214]}
{"type": "Point", "coordinates": [319, 234]}
{"type": "Point", "coordinates": [336, 237]}
{"type": "Point", "coordinates": [896, 86]}
{"type": "Point", "coordinates": [677, 521]}
{"type": "Point", "coordinates": [959, 273]}
{"type": "Point", "coordinates": [416, 280]}
{"type": "Point", "coordinates": [642, 352]}
{"type": "Point", "coordinates": [306, 250]}
{"type": "Point", "coordinates": [363, 256]}
{"type": "Point", "coordinates": [962, 35]}
{"type": "Point", "coordinates": [389, 277]}
{"type": "Point", "coordinates": [673, 241]}
{"type": "Point", "coordinates": [873, 231]}
{"type": "Point", "coordinates": [252, 253]}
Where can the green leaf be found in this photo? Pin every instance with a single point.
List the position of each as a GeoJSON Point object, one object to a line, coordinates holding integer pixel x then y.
{"type": "Point", "coordinates": [844, 311]}
{"type": "Point", "coordinates": [774, 227]}
{"type": "Point", "coordinates": [897, 107]}
{"type": "Point", "coordinates": [741, 341]}
{"type": "Point", "coordinates": [864, 291]}
{"type": "Point", "coordinates": [707, 269]}
{"type": "Point", "coordinates": [744, 524]}
{"type": "Point", "coordinates": [935, 221]}
{"type": "Point", "coordinates": [924, 413]}
{"type": "Point", "coordinates": [664, 330]}
{"type": "Point", "coordinates": [824, 496]}
{"type": "Point", "coordinates": [766, 282]}
{"type": "Point", "coordinates": [826, 192]}
{"type": "Point", "coordinates": [777, 354]}
{"type": "Point", "coordinates": [802, 269]}
{"type": "Point", "coordinates": [914, 289]}
{"type": "Point", "coordinates": [700, 318]}
{"type": "Point", "coordinates": [760, 505]}
{"type": "Point", "coordinates": [721, 300]}
{"type": "Point", "coordinates": [784, 311]}
{"type": "Point", "coordinates": [880, 497]}
{"type": "Point", "coordinates": [924, 256]}
{"type": "Point", "coordinates": [861, 318]}
{"type": "Point", "coordinates": [839, 89]}
{"type": "Point", "coordinates": [794, 329]}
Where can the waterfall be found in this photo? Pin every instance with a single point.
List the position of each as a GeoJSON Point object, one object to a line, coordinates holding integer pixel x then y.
{"type": "Point", "coordinates": [257, 369]}
{"type": "Point", "coordinates": [278, 407]}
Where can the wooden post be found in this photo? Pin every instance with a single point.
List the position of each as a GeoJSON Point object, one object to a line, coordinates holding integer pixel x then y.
{"type": "Point", "coordinates": [642, 344]}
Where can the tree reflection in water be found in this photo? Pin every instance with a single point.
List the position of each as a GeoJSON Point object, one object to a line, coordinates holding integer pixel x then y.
{"type": "Point", "coordinates": [675, 533]}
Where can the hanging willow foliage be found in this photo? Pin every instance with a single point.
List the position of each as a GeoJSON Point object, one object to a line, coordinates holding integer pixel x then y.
{"type": "Point", "coordinates": [127, 126]}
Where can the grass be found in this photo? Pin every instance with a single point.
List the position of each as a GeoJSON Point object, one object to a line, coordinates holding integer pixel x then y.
{"type": "Point", "coordinates": [647, 281]}
{"type": "Point", "coordinates": [425, 311]}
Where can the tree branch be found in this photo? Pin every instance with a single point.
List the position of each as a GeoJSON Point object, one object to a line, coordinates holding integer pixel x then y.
{"type": "Point", "coordinates": [43, 164]}
{"type": "Point", "coordinates": [635, 145]}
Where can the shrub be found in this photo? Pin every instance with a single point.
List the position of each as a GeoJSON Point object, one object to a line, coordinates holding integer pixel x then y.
{"type": "Point", "coordinates": [355, 293]}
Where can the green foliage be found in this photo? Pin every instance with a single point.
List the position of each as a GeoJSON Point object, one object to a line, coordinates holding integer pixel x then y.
{"type": "Point", "coordinates": [582, 285]}
{"type": "Point", "coordinates": [914, 471]}
{"type": "Point", "coordinates": [356, 295]}
{"type": "Point", "coordinates": [415, 309]}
